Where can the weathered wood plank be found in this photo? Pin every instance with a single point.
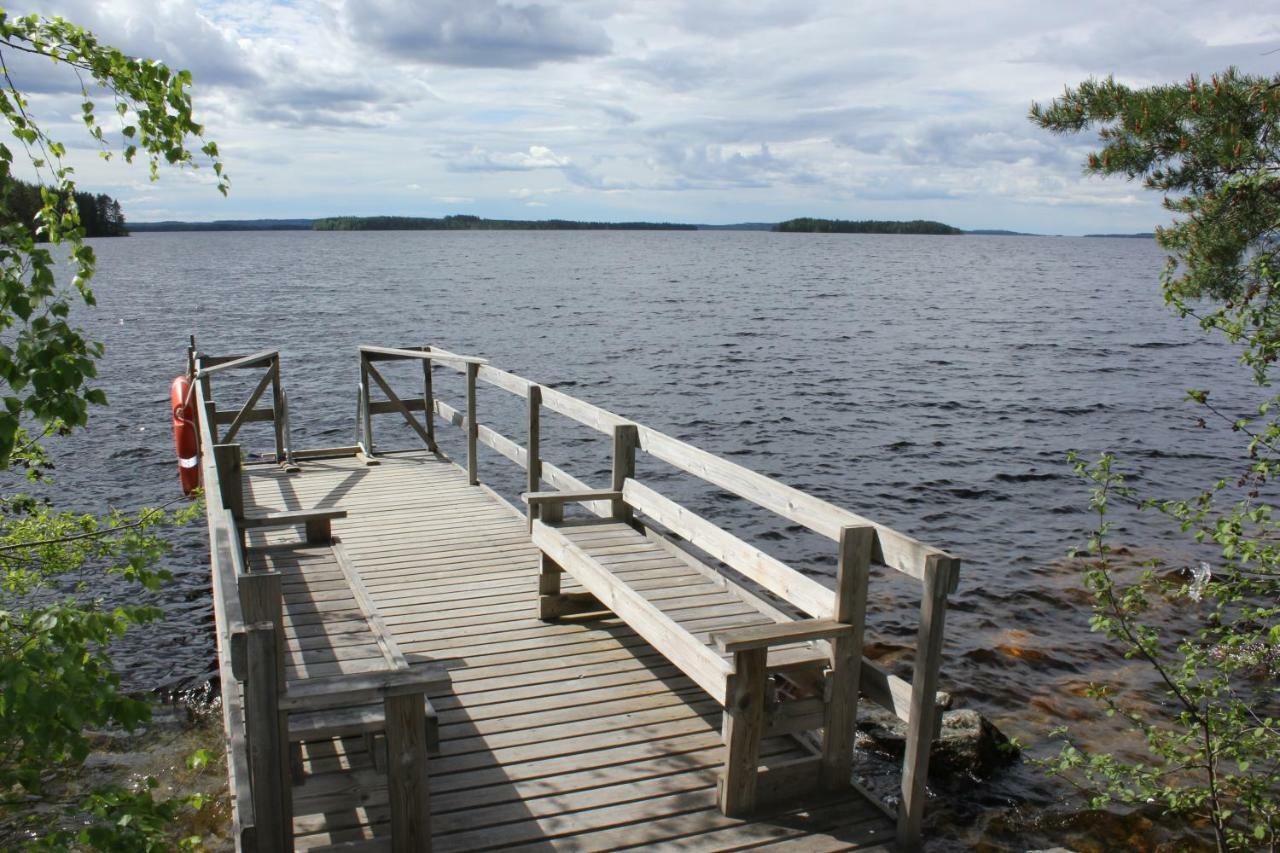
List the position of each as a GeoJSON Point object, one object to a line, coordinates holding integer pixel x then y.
{"type": "Point", "coordinates": [774, 575]}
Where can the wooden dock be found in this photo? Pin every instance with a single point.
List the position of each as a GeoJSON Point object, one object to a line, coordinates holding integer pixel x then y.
{"type": "Point", "coordinates": [388, 569]}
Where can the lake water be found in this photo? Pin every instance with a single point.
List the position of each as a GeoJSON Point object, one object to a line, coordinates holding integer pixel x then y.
{"type": "Point", "coordinates": [932, 383]}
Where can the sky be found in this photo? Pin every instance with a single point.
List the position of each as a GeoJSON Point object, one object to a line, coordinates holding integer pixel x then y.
{"type": "Point", "coordinates": [710, 112]}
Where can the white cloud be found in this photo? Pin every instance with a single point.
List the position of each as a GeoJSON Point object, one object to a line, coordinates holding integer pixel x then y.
{"type": "Point", "coordinates": [659, 110]}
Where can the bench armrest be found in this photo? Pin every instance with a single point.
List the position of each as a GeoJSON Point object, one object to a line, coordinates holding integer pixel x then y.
{"type": "Point", "coordinates": [318, 521]}
{"type": "Point", "coordinates": [362, 688]}
{"type": "Point", "coordinates": [291, 517]}
{"type": "Point", "coordinates": [763, 636]}
{"type": "Point", "coordinates": [542, 498]}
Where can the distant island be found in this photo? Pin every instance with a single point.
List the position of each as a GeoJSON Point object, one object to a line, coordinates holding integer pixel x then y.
{"type": "Point", "coordinates": [226, 225]}
{"type": "Point", "coordinates": [864, 226]}
{"type": "Point", "coordinates": [475, 223]}
{"type": "Point", "coordinates": [1144, 235]}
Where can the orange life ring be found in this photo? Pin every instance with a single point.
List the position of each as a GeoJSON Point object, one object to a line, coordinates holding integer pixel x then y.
{"type": "Point", "coordinates": [182, 401]}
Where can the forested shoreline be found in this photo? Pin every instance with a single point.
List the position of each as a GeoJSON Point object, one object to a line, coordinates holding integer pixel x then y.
{"type": "Point", "coordinates": [475, 223]}
{"type": "Point", "coordinates": [100, 215]}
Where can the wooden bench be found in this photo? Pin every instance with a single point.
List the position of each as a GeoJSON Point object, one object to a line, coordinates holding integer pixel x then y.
{"type": "Point", "coordinates": [736, 665]}
{"type": "Point", "coordinates": [366, 629]}
{"type": "Point", "coordinates": [376, 696]}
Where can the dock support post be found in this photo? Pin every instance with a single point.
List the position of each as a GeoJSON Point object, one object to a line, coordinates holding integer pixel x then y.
{"type": "Point", "coordinates": [841, 710]}
{"type": "Point", "coordinates": [407, 789]}
{"type": "Point", "coordinates": [744, 720]}
{"type": "Point", "coordinates": [473, 428]}
{"type": "Point", "coordinates": [626, 437]}
{"type": "Point", "coordinates": [533, 456]}
{"type": "Point", "coordinates": [938, 573]}
{"type": "Point", "coordinates": [266, 726]}
{"type": "Point", "coordinates": [429, 404]}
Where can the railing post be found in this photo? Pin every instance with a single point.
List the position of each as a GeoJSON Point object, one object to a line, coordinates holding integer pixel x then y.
{"type": "Point", "coordinates": [429, 404]}
{"type": "Point", "coordinates": [924, 708]}
{"type": "Point", "coordinates": [277, 409]}
{"type": "Point", "coordinates": [227, 461]}
{"type": "Point", "coordinates": [841, 712]}
{"type": "Point", "coordinates": [533, 480]}
{"type": "Point", "coordinates": [366, 418]}
{"type": "Point", "coordinates": [407, 789]}
{"type": "Point", "coordinates": [267, 728]}
{"type": "Point", "coordinates": [473, 427]}
{"type": "Point", "coordinates": [744, 724]}
{"type": "Point", "coordinates": [626, 437]}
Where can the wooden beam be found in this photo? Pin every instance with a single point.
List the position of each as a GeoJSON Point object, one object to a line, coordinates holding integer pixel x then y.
{"type": "Point", "coordinates": [566, 482]}
{"type": "Point", "coordinates": [924, 687]}
{"type": "Point", "coordinates": [239, 419]}
{"type": "Point", "coordinates": [473, 475]}
{"type": "Point", "coordinates": [386, 407]}
{"type": "Point", "coordinates": [700, 663]}
{"type": "Point", "coordinates": [533, 468]}
{"type": "Point", "coordinates": [250, 417]}
{"type": "Point", "coordinates": [210, 364]}
{"type": "Point", "coordinates": [407, 788]}
{"type": "Point", "coordinates": [366, 416]}
{"type": "Point", "coordinates": [428, 404]}
{"type": "Point", "coordinates": [577, 496]}
{"type": "Point", "coordinates": [430, 354]}
{"type": "Point", "coordinates": [317, 521]}
{"type": "Point", "coordinates": [764, 636]}
{"type": "Point", "coordinates": [399, 405]}
{"type": "Point", "coordinates": [363, 688]}
{"type": "Point", "coordinates": [856, 544]}
{"type": "Point", "coordinates": [795, 716]}
{"type": "Point", "coordinates": [744, 714]}
{"type": "Point", "coordinates": [509, 382]}
{"type": "Point", "coordinates": [268, 753]}
{"type": "Point", "coordinates": [772, 574]}
{"type": "Point", "coordinates": [277, 410]}
{"type": "Point", "coordinates": [498, 442]}
{"type": "Point", "coordinates": [625, 441]}
{"type": "Point", "coordinates": [783, 781]}
{"type": "Point", "coordinates": [229, 467]}
{"type": "Point", "coordinates": [895, 550]}
{"type": "Point", "coordinates": [581, 411]}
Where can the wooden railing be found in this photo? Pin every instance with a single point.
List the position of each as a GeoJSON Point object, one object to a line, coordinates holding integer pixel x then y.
{"type": "Point", "coordinates": [277, 413]}
{"type": "Point", "coordinates": [937, 571]}
{"type": "Point", "coordinates": [250, 639]}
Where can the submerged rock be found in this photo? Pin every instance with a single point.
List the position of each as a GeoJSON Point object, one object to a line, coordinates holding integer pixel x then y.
{"type": "Point", "coordinates": [969, 744]}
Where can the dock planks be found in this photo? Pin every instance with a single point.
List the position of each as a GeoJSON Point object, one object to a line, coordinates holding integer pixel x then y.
{"type": "Point", "coordinates": [570, 735]}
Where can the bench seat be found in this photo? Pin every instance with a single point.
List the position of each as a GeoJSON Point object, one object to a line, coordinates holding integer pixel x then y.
{"type": "Point", "coordinates": [675, 587]}
{"type": "Point", "coordinates": [331, 630]}
{"type": "Point", "coordinates": [773, 674]}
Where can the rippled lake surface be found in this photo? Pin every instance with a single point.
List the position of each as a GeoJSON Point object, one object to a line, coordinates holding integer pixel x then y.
{"type": "Point", "coordinates": [932, 383]}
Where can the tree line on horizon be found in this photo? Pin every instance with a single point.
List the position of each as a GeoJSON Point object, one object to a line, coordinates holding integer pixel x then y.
{"type": "Point", "coordinates": [810, 225]}
{"type": "Point", "coordinates": [463, 222]}
{"type": "Point", "coordinates": [100, 215]}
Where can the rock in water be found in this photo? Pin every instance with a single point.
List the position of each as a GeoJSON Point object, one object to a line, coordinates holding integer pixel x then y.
{"type": "Point", "coordinates": [969, 744]}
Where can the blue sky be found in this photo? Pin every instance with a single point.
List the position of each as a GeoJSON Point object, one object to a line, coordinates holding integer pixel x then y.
{"type": "Point", "coordinates": [695, 112]}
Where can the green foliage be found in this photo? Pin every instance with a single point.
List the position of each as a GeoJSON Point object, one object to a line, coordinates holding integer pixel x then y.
{"type": "Point", "coordinates": [46, 365]}
{"type": "Point", "coordinates": [1211, 148]}
{"type": "Point", "coordinates": [864, 226]}
{"type": "Point", "coordinates": [56, 673]}
{"type": "Point", "coordinates": [1214, 741]}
